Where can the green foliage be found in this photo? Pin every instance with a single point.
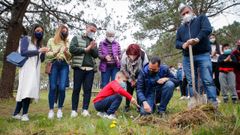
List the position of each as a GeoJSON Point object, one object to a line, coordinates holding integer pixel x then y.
{"type": "Point", "coordinates": [228, 34]}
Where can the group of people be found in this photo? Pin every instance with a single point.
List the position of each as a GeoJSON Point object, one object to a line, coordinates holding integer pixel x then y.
{"type": "Point", "coordinates": [121, 72]}
{"type": "Point", "coordinates": [225, 63]}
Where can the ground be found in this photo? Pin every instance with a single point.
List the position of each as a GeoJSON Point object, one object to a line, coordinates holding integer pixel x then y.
{"type": "Point", "coordinates": [227, 122]}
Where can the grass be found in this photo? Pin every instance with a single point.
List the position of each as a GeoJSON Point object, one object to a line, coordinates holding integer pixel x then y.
{"type": "Point", "coordinates": [229, 123]}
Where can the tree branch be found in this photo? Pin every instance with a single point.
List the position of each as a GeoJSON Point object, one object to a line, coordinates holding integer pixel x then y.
{"type": "Point", "coordinates": [235, 4]}
{"type": "Point", "coordinates": [54, 12]}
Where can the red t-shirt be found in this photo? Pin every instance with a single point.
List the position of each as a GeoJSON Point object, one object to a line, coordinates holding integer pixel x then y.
{"type": "Point", "coordinates": [110, 89]}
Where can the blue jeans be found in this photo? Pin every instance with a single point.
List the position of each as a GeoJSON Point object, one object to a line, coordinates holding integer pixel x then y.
{"type": "Point", "coordinates": [202, 65]}
{"type": "Point", "coordinates": [160, 93]}
{"type": "Point", "coordinates": [59, 72]}
{"type": "Point", "coordinates": [109, 104]}
{"type": "Point", "coordinates": [110, 73]}
{"type": "Point", "coordinates": [85, 78]}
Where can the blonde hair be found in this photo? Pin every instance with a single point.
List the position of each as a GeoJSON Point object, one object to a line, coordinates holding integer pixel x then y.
{"type": "Point", "coordinates": [121, 74]}
{"type": "Point", "coordinates": [57, 36]}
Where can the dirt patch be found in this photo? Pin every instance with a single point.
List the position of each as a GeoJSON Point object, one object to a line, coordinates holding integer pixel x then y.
{"type": "Point", "coordinates": [196, 116]}
{"type": "Point", "coordinates": [149, 120]}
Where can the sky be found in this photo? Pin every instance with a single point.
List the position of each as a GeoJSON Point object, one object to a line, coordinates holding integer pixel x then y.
{"type": "Point", "coordinates": [120, 8]}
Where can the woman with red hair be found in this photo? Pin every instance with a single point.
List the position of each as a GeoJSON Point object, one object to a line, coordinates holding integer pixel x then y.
{"type": "Point", "coordinates": [131, 63]}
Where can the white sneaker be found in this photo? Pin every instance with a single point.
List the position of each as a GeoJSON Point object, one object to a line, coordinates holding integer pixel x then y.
{"type": "Point", "coordinates": [25, 118]}
{"type": "Point", "coordinates": [111, 117]}
{"type": "Point", "coordinates": [85, 113]}
{"type": "Point", "coordinates": [17, 117]}
{"type": "Point", "coordinates": [74, 114]}
{"type": "Point", "coordinates": [101, 114]}
{"type": "Point", "coordinates": [51, 114]}
{"type": "Point", "coordinates": [59, 114]}
{"type": "Point", "coordinates": [183, 97]}
{"type": "Point", "coordinates": [218, 100]}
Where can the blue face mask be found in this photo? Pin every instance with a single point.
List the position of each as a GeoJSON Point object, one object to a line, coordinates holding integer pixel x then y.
{"type": "Point", "coordinates": [38, 35]}
{"type": "Point", "coordinates": [124, 85]}
{"type": "Point", "coordinates": [227, 52]}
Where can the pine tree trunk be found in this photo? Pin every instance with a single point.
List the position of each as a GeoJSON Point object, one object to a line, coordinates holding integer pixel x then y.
{"type": "Point", "coordinates": [15, 30]}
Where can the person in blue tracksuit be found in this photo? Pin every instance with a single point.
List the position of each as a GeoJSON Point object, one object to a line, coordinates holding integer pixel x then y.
{"type": "Point", "coordinates": [155, 84]}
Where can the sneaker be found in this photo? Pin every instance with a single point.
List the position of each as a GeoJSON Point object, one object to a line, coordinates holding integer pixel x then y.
{"type": "Point", "coordinates": [85, 113]}
{"type": "Point", "coordinates": [183, 97]}
{"type": "Point", "coordinates": [111, 117]}
{"type": "Point", "coordinates": [24, 117]}
{"type": "Point", "coordinates": [51, 114]}
{"type": "Point", "coordinates": [101, 114]}
{"type": "Point", "coordinates": [218, 100]}
{"type": "Point", "coordinates": [17, 117]}
{"type": "Point", "coordinates": [59, 114]}
{"type": "Point", "coordinates": [74, 114]}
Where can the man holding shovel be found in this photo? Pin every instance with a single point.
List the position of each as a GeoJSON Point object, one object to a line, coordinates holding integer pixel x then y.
{"type": "Point", "coordinates": [192, 39]}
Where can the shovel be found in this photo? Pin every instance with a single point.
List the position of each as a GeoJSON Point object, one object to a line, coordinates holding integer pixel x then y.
{"type": "Point", "coordinates": [197, 99]}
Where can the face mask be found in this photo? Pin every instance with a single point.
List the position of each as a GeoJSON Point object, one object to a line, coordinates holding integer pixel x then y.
{"type": "Point", "coordinates": [64, 35]}
{"type": "Point", "coordinates": [227, 51]}
{"type": "Point", "coordinates": [123, 85]}
{"type": "Point", "coordinates": [91, 35]}
{"type": "Point", "coordinates": [151, 73]}
{"type": "Point", "coordinates": [187, 18]}
{"type": "Point", "coordinates": [110, 39]}
{"type": "Point", "coordinates": [212, 40]}
{"type": "Point", "coordinates": [38, 35]}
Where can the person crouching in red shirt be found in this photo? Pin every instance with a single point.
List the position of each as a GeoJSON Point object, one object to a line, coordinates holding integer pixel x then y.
{"type": "Point", "coordinates": [109, 98]}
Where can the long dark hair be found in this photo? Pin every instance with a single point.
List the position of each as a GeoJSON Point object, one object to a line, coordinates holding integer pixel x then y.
{"type": "Point", "coordinates": [39, 42]}
{"type": "Point", "coordinates": [217, 44]}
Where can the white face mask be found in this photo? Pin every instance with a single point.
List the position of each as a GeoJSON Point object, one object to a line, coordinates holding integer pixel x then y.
{"type": "Point", "coordinates": [187, 17]}
{"type": "Point", "coordinates": [110, 39]}
{"type": "Point", "coordinates": [91, 35]}
{"type": "Point", "coordinates": [212, 40]}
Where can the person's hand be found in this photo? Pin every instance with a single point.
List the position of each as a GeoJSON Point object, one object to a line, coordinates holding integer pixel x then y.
{"type": "Point", "coordinates": [93, 44]}
{"type": "Point", "coordinates": [146, 107]}
{"type": "Point", "coordinates": [162, 80]}
{"type": "Point", "coordinates": [228, 58]}
{"type": "Point", "coordinates": [193, 41]}
{"type": "Point", "coordinates": [65, 49]}
{"type": "Point", "coordinates": [134, 101]}
{"type": "Point", "coordinates": [133, 83]}
{"type": "Point", "coordinates": [108, 58]}
{"type": "Point", "coordinates": [88, 48]}
{"type": "Point", "coordinates": [43, 50]}
{"type": "Point", "coordinates": [185, 45]}
{"type": "Point", "coordinates": [214, 53]}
